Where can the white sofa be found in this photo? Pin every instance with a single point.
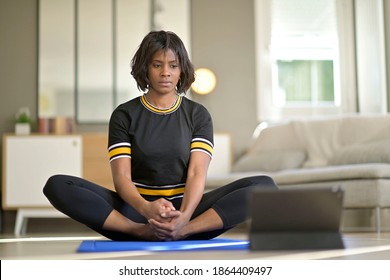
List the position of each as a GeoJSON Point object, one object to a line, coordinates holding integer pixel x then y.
{"type": "Point", "coordinates": [352, 152]}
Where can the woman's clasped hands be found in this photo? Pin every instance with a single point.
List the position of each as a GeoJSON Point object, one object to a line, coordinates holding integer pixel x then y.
{"type": "Point", "coordinates": [166, 222]}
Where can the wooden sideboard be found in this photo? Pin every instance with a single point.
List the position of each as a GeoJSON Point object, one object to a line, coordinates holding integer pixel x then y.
{"type": "Point", "coordinates": [28, 161]}
{"type": "Point", "coordinates": [96, 166]}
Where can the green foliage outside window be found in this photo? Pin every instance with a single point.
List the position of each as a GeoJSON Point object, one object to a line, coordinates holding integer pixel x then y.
{"type": "Point", "coordinates": [306, 80]}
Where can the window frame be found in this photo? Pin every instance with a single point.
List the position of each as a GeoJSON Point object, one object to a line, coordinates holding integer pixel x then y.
{"type": "Point", "coordinates": [305, 50]}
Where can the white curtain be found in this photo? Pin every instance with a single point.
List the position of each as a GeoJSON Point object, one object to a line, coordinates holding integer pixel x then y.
{"type": "Point", "coordinates": [370, 56]}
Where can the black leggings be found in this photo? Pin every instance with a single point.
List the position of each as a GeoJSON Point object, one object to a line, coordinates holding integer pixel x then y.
{"type": "Point", "coordinates": [91, 204]}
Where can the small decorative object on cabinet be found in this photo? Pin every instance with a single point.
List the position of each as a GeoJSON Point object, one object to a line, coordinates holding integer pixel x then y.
{"type": "Point", "coordinates": [23, 122]}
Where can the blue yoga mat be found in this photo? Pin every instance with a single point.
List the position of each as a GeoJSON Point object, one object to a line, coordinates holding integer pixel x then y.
{"type": "Point", "coordinates": [183, 245]}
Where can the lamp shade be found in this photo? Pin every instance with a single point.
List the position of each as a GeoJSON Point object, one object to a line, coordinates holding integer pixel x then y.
{"type": "Point", "coordinates": [205, 81]}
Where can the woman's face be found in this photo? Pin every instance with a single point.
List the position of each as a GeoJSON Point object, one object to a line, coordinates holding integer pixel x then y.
{"type": "Point", "coordinates": [164, 72]}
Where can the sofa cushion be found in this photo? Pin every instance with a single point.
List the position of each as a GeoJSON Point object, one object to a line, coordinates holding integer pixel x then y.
{"type": "Point", "coordinates": [277, 137]}
{"type": "Point", "coordinates": [365, 128]}
{"type": "Point", "coordinates": [358, 193]}
{"type": "Point", "coordinates": [320, 139]}
{"type": "Point", "coordinates": [333, 173]}
{"type": "Point", "coordinates": [270, 161]}
{"type": "Point", "coordinates": [375, 152]}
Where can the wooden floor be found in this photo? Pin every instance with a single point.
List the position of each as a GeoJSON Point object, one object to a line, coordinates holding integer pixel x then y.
{"type": "Point", "coordinates": [50, 246]}
{"type": "Point", "coordinates": [359, 246]}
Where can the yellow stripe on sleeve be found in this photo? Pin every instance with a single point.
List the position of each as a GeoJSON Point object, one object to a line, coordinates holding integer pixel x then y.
{"type": "Point", "coordinates": [202, 145]}
{"type": "Point", "coordinates": [119, 151]}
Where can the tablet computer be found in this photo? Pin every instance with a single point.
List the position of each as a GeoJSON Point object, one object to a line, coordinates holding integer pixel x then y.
{"type": "Point", "coordinates": [296, 219]}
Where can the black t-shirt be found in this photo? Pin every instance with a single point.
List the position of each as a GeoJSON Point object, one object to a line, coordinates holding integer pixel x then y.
{"type": "Point", "coordinates": [159, 142]}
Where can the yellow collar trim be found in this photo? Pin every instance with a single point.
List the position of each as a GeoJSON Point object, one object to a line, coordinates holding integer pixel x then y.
{"type": "Point", "coordinates": [154, 109]}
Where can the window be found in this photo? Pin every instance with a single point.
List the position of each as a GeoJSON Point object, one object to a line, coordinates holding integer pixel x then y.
{"type": "Point", "coordinates": [303, 53]}
{"type": "Point", "coordinates": [304, 81]}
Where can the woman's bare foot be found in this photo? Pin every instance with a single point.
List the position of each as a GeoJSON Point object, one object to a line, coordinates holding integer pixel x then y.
{"type": "Point", "coordinates": [145, 232]}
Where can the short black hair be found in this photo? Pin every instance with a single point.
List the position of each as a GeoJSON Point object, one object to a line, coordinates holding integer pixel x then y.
{"type": "Point", "coordinates": [153, 42]}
